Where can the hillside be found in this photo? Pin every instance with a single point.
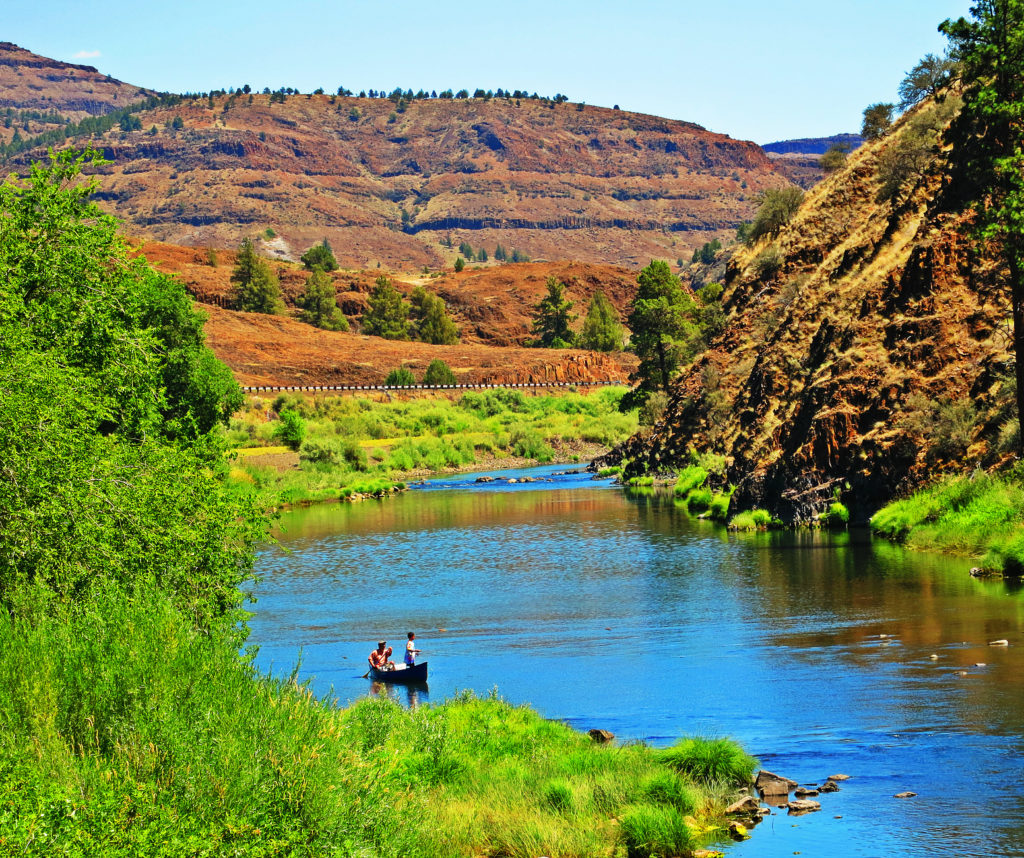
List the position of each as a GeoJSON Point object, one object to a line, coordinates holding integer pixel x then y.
{"type": "Point", "coordinates": [867, 355]}
{"type": "Point", "coordinates": [387, 182]}
{"type": "Point", "coordinates": [38, 94]}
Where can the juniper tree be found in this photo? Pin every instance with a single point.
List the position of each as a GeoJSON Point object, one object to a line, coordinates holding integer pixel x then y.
{"type": "Point", "coordinates": [552, 317]}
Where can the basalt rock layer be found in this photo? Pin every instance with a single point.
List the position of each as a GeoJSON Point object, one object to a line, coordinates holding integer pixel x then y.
{"type": "Point", "coordinates": [847, 336]}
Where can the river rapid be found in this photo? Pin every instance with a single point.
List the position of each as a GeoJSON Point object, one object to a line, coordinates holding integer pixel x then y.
{"type": "Point", "coordinates": [615, 609]}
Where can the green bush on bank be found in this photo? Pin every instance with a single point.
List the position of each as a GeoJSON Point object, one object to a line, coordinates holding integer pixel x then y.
{"type": "Point", "coordinates": [980, 515]}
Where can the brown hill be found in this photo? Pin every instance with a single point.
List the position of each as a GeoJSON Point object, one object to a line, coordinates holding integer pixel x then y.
{"type": "Point", "coordinates": [491, 304]}
{"type": "Point", "coordinates": [33, 86]}
{"type": "Point", "coordinates": [869, 354]}
{"type": "Point", "coordinates": [387, 183]}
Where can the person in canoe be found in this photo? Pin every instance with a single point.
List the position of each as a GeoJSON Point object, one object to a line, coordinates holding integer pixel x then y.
{"type": "Point", "coordinates": [380, 658]}
{"type": "Point", "coordinates": [410, 650]}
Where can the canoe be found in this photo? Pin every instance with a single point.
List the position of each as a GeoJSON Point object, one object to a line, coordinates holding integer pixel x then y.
{"type": "Point", "coordinates": [401, 675]}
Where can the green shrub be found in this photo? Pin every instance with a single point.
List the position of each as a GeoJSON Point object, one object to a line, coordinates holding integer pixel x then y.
{"type": "Point", "coordinates": [529, 444]}
{"type": "Point", "coordinates": [438, 372]}
{"type": "Point", "coordinates": [612, 471]}
{"type": "Point", "coordinates": [669, 788]}
{"type": "Point", "coordinates": [291, 429]}
{"type": "Point", "coordinates": [641, 481]}
{"type": "Point", "coordinates": [400, 377]}
{"type": "Point", "coordinates": [558, 795]}
{"type": "Point", "coordinates": [743, 521]}
{"type": "Point", "coordinates": [710, 761]}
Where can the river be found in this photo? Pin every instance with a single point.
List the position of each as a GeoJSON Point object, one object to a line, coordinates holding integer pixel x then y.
{"type": "Point", "coordinates": [615, 609]}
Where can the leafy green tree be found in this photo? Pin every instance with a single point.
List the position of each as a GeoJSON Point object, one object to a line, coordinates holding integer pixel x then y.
{"type": "Point", "coordinates": [291, 431]}
{"type": "Point", "coordinates": [430, 320]}
{"type": "Point", "coordinates": [256, 287]}
{"type": "Point", "coordinates": [388, 313]}
{"type": "Point", "coordinates": [319, 303]}
{"type": "Point", "coordinates": [438, 372]}
{"type": "Point", "coordinates": [706, 253]}
{"type": "Point", "coordinates": [925, 80]}
{"type": "Point", "coordinates": [602, 331]}
{"type": "Point", "coordinates": [777, 207]}
{"type": "Point", "coordinates": [107, 395]}
{"type": "Point", "coordinates": [834, 158]}
{"type": "Point", "coordinates": [988, 139]}
{"type": "Point", "coordinates": [552, 318]}
{"type": "Point", "coordinates": [401, 377]}
{"type": "Point", "coordinates": [663, 333]}
{"type": "Point", "coordinates": [320, 256]}
{"type": "Point", "coordinates": [877, 120]}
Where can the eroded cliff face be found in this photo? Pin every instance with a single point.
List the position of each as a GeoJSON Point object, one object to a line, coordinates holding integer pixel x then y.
{"type": "Point", "coordinates": [811, 388]}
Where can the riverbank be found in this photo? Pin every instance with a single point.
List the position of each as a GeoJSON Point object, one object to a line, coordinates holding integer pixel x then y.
{"type": "Point", "coordinates": [980, 516]}
{"type": "Point", "coordinates": [294, 450]}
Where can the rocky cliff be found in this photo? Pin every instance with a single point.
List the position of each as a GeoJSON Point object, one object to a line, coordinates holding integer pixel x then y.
{"type": "Point", "coordinates": [866, 347]}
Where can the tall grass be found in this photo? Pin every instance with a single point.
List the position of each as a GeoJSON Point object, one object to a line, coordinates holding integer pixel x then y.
{"type": "Point", "coordinates": [980, 515]}
{"type": "Point", "coordinates": [126, 732]}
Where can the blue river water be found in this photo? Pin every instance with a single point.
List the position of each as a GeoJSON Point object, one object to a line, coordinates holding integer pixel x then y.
{"type": "Point", "coordinates": [615, 609]}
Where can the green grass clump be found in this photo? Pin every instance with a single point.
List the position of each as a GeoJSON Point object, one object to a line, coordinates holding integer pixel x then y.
{"type": "Point", "coordinates": [718, 509]}
{"type": "Point", "coordinates": [837, 515]}
{"type": "Point", "coordinates": [641, 481]}
{"type": "Point", "coordinates": [699, 500]}
{"type": "Point", "coordinates": [612, 471]}
{"type": "Point", "coordinates": [743, 521]}
{"type": "Point", "coordinates": [980, 515]}
{"type": "Point", "coordinates": [690, 478]}
{"type": "Point", "coordinates": [710, 762]}
{"type": "Point", "coordinates": [655, 832]}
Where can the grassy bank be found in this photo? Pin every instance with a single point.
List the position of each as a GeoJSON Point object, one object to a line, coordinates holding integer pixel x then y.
{"type": "Point", "coordinates": [128, 732]}
{"type": "Point", "coordinates": [979, 516]}
{"type": "Point", "coordinates": [347, 445]}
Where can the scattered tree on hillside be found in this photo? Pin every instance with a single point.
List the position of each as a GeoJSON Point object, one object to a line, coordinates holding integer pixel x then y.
{"type": "Point", "coordinates": [430, 320]}
{"type": "Point", "coordinates": [602, 331]}
{"type": "Point", "coordinates": [438, 372]}
{"type": "Point", "coordinates": [481, 255]}
{"type": "Point", "coordinates": [877, 120]}
{"type": "Point", "coordinates": [256, 287]}
{"type": "Point", "coordinates": [319, 303]}
{"type": "Point", "coordinates": [552, 318]}
{"type": "Point", "coordinates": [777, 207]}
{"type": "Point", "coordinates": [663, 333]}
{"type": "Point", "coordinates": [320, 256]}
{"type": "Point", "coordinates": [499, 253]}
{"type": "Point", "coordinates": [460, 263]}
{"type": "Point", "coordinates": [834, 158]}
{"type": "Point", "coordinates": [989, 140]}
{"type": "Point", "coordinates": [388, 313]}
{"type": "Point", "coordinates": [924, 80]}
{"type": "Point", "coordinates": [706, 253]}
{"type": "Point", "coordinates": [466, 249]}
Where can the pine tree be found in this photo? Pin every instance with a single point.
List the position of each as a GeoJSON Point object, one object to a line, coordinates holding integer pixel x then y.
{"type": "Point", "coordinates": [256, 287]}
{"type": "Point", "coordinates": [319, 303]}
{"type": "Point", "coordinates": [601, 330]}
{"type": "Point", "coordinates": [552, 318]}
{"type": "Point", "coordinates": [431, 322]}
{"type": "Point", "coordinates": [320, 256]}
{"type": "Point", "coordinates": [388, 313]}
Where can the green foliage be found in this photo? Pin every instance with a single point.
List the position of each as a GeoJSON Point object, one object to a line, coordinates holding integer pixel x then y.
{"type": "Point", "coordinates": [705, 254]}
{"type": "Point", "coordinates": [877, 120]}
{"type": "Point", "coordinates": [837, 515]}
{"type": "Point", "coordinates": [438, 372]}
{"type": "Point", "coordinates": [699, 500]}
{"type": "Point", "coordinates": [834, 158]}
{"type": "Point", "coordinates": [912, 151]}
{"type": "Point", "coordinates": [655, 832]}
{"type": "Point", "coordinates": [602, 331]}
{"type": "Point", "coordinates": [718, 509]}
{"type": "Point", "coordinates": [460, 263]}
{"type": "Point", "coordinates": [690, 478]}
{"type": "Point", "coordinates": [319, 303]}
{"type": "Point", "coordinates": [291, 430]}
{"type": "Point", "coordinates": [611, 471]}
{"type": "Point", "coordinates": [663, 331]}
{"type": "Point", "coordinates": [552, 318]}
{"type": "Point", "coordinates": [430, 320]}
{"type": "Point", "coordinates": [768, 262]}
{"type": "Point", "coordinates": [388, 313]}
{"type": "Point", "coordinates": [710, 761]}
{"type": "Point", "coordinates": [653, 408]}
{"type": "Point", "coordinates": [926, 79]}
{"type": "Point", "coordinates": [776, 208]}
{"type": "Point", "coordinates": [256, 287]}
{"type": "Point", "coordinates": [320, 256]}
{"type": "Point", "coordinates": [945, 426]}
{"type": "Point", "coordinates": [400, 377]}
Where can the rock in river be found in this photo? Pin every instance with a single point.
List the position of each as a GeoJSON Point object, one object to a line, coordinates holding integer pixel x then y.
{"type": "Point", "coordinates": [803, 805]}
{"type": "Point", "coordinates": [768, 783]}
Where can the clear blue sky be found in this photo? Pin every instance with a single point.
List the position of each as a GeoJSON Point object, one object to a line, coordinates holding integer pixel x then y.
{"type": "Point", "coordinates": [755, 70]}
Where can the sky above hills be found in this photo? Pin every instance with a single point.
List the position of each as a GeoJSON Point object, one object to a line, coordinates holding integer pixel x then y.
{"type": "Point", "coordinates": [762, 71]}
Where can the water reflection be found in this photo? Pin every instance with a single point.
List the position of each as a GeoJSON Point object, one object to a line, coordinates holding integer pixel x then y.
{"type": "Point", "coordinates": [623, 612]}
{"type": "Point", "coordinates": [411, 694]}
